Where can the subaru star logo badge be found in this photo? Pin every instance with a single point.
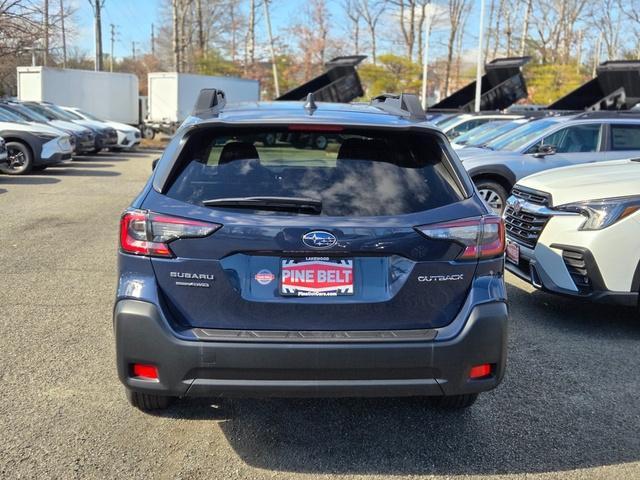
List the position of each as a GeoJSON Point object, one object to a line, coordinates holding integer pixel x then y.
{"type": "Point", "coordinates": [319, 239]}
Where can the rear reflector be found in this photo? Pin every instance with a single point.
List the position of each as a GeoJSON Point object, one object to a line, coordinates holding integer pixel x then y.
{"type": "Point", "coordinates": [147, 233]}
{"type": "Point", "coordinates": [480, 371]}
{"type": "Point", "coordinates": [481, 237]}
{"type": "Point", "coordinates": [141, 370]}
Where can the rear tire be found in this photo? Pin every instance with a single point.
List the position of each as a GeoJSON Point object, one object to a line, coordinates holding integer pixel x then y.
{"type": "Point", "coordinates": [148, 402]}
{"type": "Point", "coordinates": [148, 133]}
{"type": "Point", "coordinates": [19, 161]}
{"type": "Point", "coordinates": [493, 194]}
{"type": "Point", "coordinates": [454, 402]}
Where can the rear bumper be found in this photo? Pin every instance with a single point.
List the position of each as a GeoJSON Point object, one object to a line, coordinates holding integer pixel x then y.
{"type": "Point", "coordinates": [261, 369]}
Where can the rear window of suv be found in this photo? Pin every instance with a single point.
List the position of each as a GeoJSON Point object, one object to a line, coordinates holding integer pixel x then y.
{"type": "Point", "coordinates": [351, 172]}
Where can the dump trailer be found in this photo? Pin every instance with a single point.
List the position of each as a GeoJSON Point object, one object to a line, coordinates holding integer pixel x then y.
{"type": "Point", "coordinates": [339, 83]}
{"type": "Point", "coordinates": [502, 85]}
{"type": "Point", "coordinates": [615, 87]}
{"type": "Point", "coordinates": [111, 96]}
{"type": "Point", "coordinates": [172, 95]}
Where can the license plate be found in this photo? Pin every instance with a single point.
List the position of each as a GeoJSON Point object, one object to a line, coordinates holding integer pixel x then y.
{"type": "Point", "coordinates": [513, 252]}
{"type": "Point", "coordinates": [316, 277]}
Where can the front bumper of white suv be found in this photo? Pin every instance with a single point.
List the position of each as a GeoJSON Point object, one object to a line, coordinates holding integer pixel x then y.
{"type": "Point", "coordinates": [547, 249]}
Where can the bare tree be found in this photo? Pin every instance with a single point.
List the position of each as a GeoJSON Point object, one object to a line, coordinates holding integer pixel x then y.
{"type": "Point", "coordinates": [456, 9]}
{"type": "Point", "coordinates": [371, 11]}
{"type": "Point", "coordinates": [353, 13]}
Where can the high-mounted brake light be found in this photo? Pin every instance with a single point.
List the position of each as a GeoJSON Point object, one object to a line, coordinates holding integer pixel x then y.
{"type": "Point", "coordinates": [482, 237]}
{"type": "Point", "coordinates": [147, 233]}
{"type": "Point", "coordinates": [315, 128]}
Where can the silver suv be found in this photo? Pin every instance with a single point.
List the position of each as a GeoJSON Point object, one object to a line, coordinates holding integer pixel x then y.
{"type": "Point", "coordinates": [549, 143]}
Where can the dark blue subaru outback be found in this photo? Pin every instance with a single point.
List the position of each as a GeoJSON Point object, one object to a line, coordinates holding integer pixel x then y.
{"type": "Point", "coordinates": [310, 249]}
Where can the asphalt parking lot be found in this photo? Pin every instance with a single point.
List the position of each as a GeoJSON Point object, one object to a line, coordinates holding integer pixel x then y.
{"type": "Point", "coordinates": [568, 406]}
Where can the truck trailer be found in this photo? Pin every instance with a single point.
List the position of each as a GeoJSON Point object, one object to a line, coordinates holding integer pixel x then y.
{"type": "Point", "coordinates": [110, 96]}
{"type": "Point", "coordinates": [172, 96]}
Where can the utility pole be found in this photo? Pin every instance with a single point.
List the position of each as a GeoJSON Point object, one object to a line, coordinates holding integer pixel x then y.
{"type": "Point", "coordinates": [45, 25]}
{"type": "Point", "coordinates": [479, 59]}
{"type": "Point", "coordinates": [153, 40]}
{"type": "Point", "coordinates": [97, 7]}
{"type": "Point", "coordinates": [113, 39]}
{"type": "Point", "coordinates": [64, 38]}
{"type": "Point", "coordinates": [274, 66]}
{"type": "Point", "coordinates": [425, 55]}
{"type": "Point", "coordinates": [133, 49]}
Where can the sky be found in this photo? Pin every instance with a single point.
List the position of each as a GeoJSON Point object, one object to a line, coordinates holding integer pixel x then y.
{"type": "Point", "coordinates": [133, 19]}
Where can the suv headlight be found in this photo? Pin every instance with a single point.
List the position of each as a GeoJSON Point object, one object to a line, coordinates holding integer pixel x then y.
{"type": "Point", "coordinates": [603, 213]}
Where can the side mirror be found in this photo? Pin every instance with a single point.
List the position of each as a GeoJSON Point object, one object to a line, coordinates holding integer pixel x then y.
{"type": "Point", "coordinates": [544, 150]}
{"type": "Point", "coordinates": [154, 163]}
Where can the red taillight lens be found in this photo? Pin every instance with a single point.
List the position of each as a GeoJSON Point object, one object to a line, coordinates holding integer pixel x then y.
{"type": "Point", "coordinates": [148, 372]}
{"type": "Point", "coordinates": [480, 371]}
{"type": "Point", "coordinates": [147, 233]}
{"type": "Point", "coordinates": [482, 237]}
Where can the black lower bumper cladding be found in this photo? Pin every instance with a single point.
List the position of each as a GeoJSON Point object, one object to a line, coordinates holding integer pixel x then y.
{"type": "Point", "coordinates": [309, 369]}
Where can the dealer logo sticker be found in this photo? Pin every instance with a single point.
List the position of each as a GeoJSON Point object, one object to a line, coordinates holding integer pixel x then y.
{"type": "Point", "coordinates": [264, 277]}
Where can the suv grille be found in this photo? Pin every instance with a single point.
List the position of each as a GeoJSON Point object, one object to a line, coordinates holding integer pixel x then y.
{"type": "Point", "coordinates": [531, 196]}
{"type": "Point", "coordinates": [577, 267]}
{"type": "Point", "coordinates": [525, 227]}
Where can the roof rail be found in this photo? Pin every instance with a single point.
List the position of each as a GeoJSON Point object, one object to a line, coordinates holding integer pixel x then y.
{"type": "Point", "coordinates": [210, 100]}
{"type": "Point", "coordinates": [610, 114]}
{"type": "Point", "coordinates": [403, 105]}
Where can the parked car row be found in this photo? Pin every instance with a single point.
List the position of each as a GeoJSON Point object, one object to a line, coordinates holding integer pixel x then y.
{"type": "Point", "coordinates": [40, 134]}
{"type": "Point", "coordinates": [568, 186]}
{"type": "Point", "coordinates": [507, 150]}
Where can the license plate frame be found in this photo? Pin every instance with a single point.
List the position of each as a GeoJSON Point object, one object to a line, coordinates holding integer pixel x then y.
{"type": "Point", "coordinates": [316, 277]}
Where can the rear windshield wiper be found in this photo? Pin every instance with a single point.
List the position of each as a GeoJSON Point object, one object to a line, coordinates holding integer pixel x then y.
{"type": "Point", "coordinates": [278, 204]}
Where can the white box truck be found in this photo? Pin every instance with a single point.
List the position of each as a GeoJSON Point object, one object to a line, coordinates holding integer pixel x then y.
{"type": "Point", "coordinates": [172, 96]}
{"type": "Point", "coordinates": [111, 96]}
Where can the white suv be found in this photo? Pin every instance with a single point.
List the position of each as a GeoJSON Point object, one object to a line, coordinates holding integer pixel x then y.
{"type": "Point", "coordinates": [576, 231]}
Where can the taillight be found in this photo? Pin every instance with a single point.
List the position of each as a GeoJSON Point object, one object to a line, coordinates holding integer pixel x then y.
{"type": "Point", "coordinates": [148, 233]}
{"type": "Point", "coordinates": [481, 237]}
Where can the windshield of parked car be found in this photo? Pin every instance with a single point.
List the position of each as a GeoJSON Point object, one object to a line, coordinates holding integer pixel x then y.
{"type": "Point", "coordinates": [27, 114]}
{"type": "Point", "coordinates": [8, 116]}
{"type": "Point", "coordinates": [446, 123]}
{"type": "Point", "coordinates": [521, 136]}
{"type": "Point", "coordinates": [48, 114]}
{"type": "Point", "coordinates": [348, 173]}
{"type": "Point", "coordinates": [497, 131]}
{"type": "Point", "coordinates": [84, 114]}
{"type": "Point", "coordinates": [64, 114]}
{"type": "Point", "coordinates": [467, 136]}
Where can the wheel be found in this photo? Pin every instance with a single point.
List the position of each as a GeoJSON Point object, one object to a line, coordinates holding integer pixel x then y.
{"type": "Point", "coordinates": [454, 402]}
{"type": "Point", "coordinates": [148, 132]}
{"type": "Point", "coordinates": [148, 402]}
{"type": "Point", "coordinates": [320, 142]}
{"type": "Point", "coordinates": [19, 159]}
{"type": "Point", "coordinates": [493, 194]}
{"type": "Point", "coordinates": [269, 140]}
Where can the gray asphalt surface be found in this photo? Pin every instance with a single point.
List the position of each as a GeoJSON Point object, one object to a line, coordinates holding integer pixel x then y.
{"type": "Point", "coordinates": [569, 406]}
